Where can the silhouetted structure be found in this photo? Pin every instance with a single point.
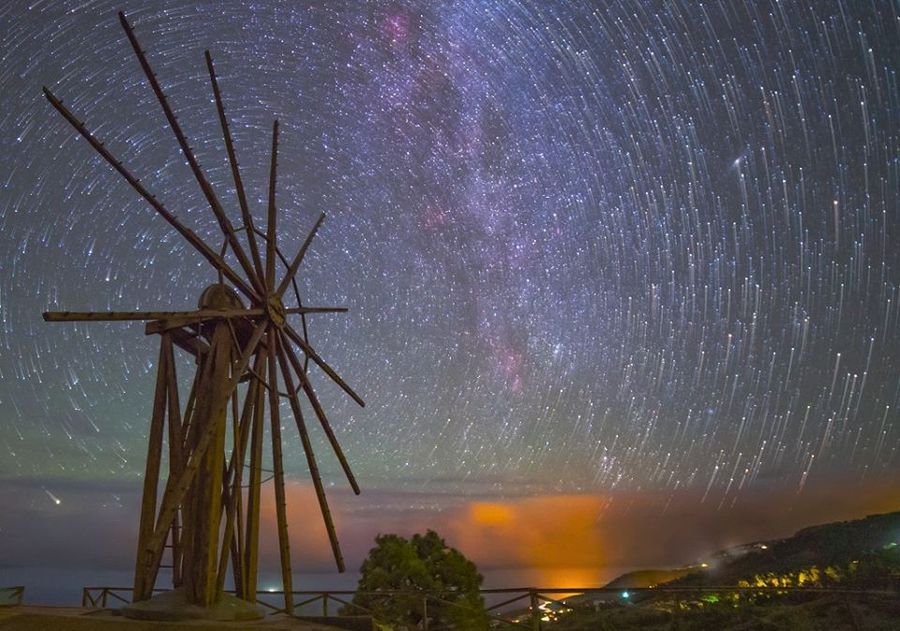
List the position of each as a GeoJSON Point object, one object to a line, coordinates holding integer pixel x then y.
{"type": "Point", "coordinates": [202, 516]}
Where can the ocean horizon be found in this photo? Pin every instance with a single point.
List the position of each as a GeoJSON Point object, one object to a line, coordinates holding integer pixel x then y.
{"type": "Point", "coordinates": [64, 586]}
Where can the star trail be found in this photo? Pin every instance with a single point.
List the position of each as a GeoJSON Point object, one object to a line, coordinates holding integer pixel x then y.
{"type": "Point", "coordinates": [587, 247]}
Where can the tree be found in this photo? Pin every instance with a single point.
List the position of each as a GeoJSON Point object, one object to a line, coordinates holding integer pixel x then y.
{"type": "Point", "coordinates": [424, 563]}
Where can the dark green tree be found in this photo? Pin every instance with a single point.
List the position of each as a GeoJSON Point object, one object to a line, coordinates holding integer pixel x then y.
{"type": "Point", "coordinates": [422, 565]}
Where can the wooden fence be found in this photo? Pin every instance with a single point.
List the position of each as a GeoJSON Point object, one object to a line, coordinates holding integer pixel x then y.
{"type": "Point", "coordinates": [517, 607]}
{"type": "Point", "coordinates": [11, 596]}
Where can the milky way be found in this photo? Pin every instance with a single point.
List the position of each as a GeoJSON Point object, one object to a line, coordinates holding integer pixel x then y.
{"type": "Point", "coordinates": [585, 246]}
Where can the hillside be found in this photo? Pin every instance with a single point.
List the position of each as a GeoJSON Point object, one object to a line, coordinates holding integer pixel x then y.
{"type": "Point", "coordinates": [649, 578]}
{"type": "Point", "coordinates": [861, 557]}
{"type": "Point", "coordinates": [853, 550]}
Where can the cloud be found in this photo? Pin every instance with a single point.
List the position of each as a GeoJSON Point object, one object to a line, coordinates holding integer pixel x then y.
{"type": "Point", "coordinates": [542, 532]}
{"type": "Point", "coordinates": [645, 529]}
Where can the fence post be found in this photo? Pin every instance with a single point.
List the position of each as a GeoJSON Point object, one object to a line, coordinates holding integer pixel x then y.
{"type": "Point", "coordinates": [535, 615]}
{"type": "Point", "coordinates": [850, 613]}
{"type": "Point", "coordinates": [425, 613]}
{"type": "Point", "coordinates": [325, 604]}
{"type": "Point", "coordinates": [676, 611]}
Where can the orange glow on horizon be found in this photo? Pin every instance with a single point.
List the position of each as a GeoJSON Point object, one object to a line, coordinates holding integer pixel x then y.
{"type": "Point", "coordinates": [550, 531]}
{"type": "Point", "coordinates": [491, 513]}
{"type": "Point", "coordinates": [563, 540]}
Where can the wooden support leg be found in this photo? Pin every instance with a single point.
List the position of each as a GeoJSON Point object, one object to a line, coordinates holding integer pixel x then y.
{"type": "Point", "coordinates": [144, 573]}
{"type": "Point", "coordinates": [177, 488]}
{"type": "Point", "coordinates": [209, 508]}
{"type": "Point", "coordinates": [176, 457]}
{"type": "Point", "coordinates": [232, 491]}
{"type": "Point", "coordinates": [251, 539]}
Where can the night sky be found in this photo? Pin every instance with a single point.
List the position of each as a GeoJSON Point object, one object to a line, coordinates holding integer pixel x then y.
{"type": "Point", "coordinates": [599, 257]}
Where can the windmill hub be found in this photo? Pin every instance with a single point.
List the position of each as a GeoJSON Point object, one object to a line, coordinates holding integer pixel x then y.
{"type": "Point", "coordinates": [221, 297]}
{"type": "Point", "coordinates": [275, 310]}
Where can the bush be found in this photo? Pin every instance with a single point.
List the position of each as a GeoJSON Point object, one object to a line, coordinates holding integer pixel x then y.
{"type": "Point", "coordinates": [422, 564]}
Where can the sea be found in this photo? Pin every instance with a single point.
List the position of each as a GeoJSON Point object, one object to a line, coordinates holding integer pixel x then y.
{"type": "Point", "coordinates": [64, 586]}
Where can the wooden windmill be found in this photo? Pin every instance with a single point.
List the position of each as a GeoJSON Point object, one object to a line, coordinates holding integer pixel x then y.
{"type": "Point", "coordinates": [208, 515]}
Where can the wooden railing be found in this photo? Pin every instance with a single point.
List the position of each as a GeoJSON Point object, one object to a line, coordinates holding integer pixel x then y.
{"type": "Point", "coordinates": [11, 596]}
{"type": "Point", "coordinates": [521, 607]}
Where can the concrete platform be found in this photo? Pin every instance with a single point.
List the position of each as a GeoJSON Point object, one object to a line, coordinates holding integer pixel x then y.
{"type": "Point", "coordinates": [173, 606]}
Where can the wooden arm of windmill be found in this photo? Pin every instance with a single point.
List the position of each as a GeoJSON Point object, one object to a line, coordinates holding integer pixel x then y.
{"type": "Point", "coordinates": [235, 170]}
{"type": "Point", "coordinates": [218, 211]}
{"type": "Point", "coordinates": [214, 259]}
{"type": "Point", "coordinates": [177, 321]}
{"type": "Point", "coordinates": [328, 370]}
{"type": "Point", "coordinates": [189, 316]}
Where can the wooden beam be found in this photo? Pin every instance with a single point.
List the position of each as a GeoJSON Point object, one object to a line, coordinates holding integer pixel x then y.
{"type": "Point", "coordinates": [321, 364]}
{"type": "Point", "coordinates": [188, 443]}
{"type": "Point", "coordinates": [320, 413]}
{"type": "Point", "coordinates": [232, 483]}
{"type": "Point", "coordinates": [310, 456]}
{"type": "Point", "coordinates": [176, 455]}
{"type": "Point", "coordinates": [189, 341]}
{"type": "Point", "coordinates": [270, 226]}
{"type": "Point", "coordinates": [208, 192]}
{"type": "Point", "coordinates": [208, 253]}
{"type": "Point", "coordinates": [197, 500]}
{"type": "Point", "coordinates": [284, 544]}
{"type": "Point", "coordinates": [177, 488]}
{"type": "Point", "coordinates": [308, 310]}
{"type": "Point", "coordinates": [122, 316]}
{"type": "Point", "coordinates": [219, 395]}
{"type": "Point", "coordinates": [144, 573]}
{"type": "Point", "coordinates": [251, 539]}
{"type": "Point", "coordinates": [235, 170]}
{"type": "Point", "coordinates": [295, 264]}
{"type": "Point", "coordinates": [177, 321]}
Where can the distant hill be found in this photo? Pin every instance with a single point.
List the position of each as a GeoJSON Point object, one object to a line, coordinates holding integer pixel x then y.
{"type": "Point", "coordinates": [838, 545]}
{"type": "Point", "coordinates": [857, 561]}
{"type": "Point", "coordinates": [649, 578]}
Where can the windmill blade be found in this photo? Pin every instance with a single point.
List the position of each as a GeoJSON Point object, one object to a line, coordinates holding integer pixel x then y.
{"type": "Point", "coordinates": [308, 450]}
{"type": "Point", "coordinates": [271, 219]}
{"type": "Point", "coordinates": [205, 186]}
{"type": "Point", "coordinates": [320, 413]}
{"type": "Point", "coordinates": [304, 325]}
{"type": "Point", "coordinates": [280, 501]}
{"type": "Point", "coordinates": [251, 534]}
{"type": "Point", "coordinates": [122, 316]}
{"type": "Point", "coordinates": [307, 310]}
{"type": "Point", "coordinates": [328, 370]}
{"type": "Point", "coordinates": [300, 303]}
{"type": "Point", "coordinates": [295, 264]}
{"type": "Point", "coordinates": [171, 319]}
{"type": "Point", "coordinates": [235, 171]}
{"type": "Point", "coordinates": [208, 253]}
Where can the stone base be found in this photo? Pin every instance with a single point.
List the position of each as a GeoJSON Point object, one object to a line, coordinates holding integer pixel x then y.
{"type": "Point", "coordinates": [174, 606]}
